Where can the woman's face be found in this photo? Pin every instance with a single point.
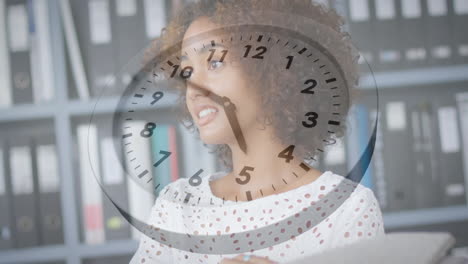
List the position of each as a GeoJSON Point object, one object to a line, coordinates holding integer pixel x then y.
{"type": "Point", "coordinates": [221, 78]}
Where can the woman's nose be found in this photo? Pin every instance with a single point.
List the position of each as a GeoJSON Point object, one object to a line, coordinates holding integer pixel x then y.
{"type": "Point", "coordinates": [195, 89]}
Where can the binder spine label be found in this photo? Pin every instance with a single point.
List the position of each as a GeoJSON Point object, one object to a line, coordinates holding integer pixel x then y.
{"type": "Point", "coordinates": [385, 9]}
{"type": "Point", "coordinates": [461, 7]}
{"type": "Point", "coordinates": [113, 173]}
{"type": "Point", "coordinates": [413, 54]}
{"type": "Point", "coordinates": [448, 129]}
{"type": "Point", "coordinates": [126, 7]}
{"type": "Point", "coordinates": [441, 52]}
{"type": "Point", "coordinates": [396, 116]}
{"type": "Point", "coordinates": [463, 50]}
{"type": "Point", "coordinates": [437, 7]}
{"type": "Point", "coordinates": [411, 8]}
{"type": "Point", "coordinates": [99, 21]}
{"type": "Point", "coordinates": [359, 10]}
{"type": "Point", "coordinates": [18, 32]}
{"type": "Point", "coordinates": [48, 169]}
{"type": "Point", "coordinates": [6, 99]}
{"type": "Point", "coordinates": [155, 18]}
{"type": "Point", "coordinates": [21, 164]}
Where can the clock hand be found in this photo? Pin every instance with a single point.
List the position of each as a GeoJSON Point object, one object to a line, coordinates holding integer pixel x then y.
{"type": "Point", "coordinates": [229, 109]}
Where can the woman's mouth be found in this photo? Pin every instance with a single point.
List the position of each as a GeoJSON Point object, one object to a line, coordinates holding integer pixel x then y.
{"type": "Point", "coordinates": [207, 115]}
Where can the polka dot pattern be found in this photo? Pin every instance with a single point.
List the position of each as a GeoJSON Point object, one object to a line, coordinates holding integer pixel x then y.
{"type": "Point", "coordinates": [339, 223]}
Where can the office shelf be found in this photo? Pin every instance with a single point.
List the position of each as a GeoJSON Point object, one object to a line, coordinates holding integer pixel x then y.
{"type": "Point", "coordinates": [73, 108]}
{"type": "Point", "coordinates": [33, 255]}
{"type": "Point", "coordinates": [425, 216]}
{"type": "Point", "coordinates": [111, 248]}
{"type": "Point", "coordinates": [27, 112]}
{"type": "Point", "coordinates": [109, 105]}
{"type": "Point", "coordinates": [57, 253]}
{"type": "Point", "coordinates": [413, 77]}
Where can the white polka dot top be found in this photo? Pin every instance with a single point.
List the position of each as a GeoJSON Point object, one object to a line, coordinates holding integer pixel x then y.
{"type": "Point", "coordinates": [358, 217]}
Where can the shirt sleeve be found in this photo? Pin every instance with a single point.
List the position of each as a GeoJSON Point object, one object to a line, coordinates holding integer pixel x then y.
{"type": "Point", "coordinates": [361, 219]}
{"type": "Point", "coordinates": [149, 250]}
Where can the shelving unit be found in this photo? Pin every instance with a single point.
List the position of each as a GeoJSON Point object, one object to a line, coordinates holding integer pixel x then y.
{"type": "Point", "coordinates": [63, 110]}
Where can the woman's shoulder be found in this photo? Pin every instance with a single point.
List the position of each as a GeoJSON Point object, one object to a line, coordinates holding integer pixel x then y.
{"type": "Point", "coordinates": [354, 191]}
{"type": "Point", "coordinates": [359, 215]}
{"type": "Point", "coordinates": [335, 179]}
{"type": "Point", "coordinates": [330, 180]}
{"type": "Point", "coordinates": [360, 203]}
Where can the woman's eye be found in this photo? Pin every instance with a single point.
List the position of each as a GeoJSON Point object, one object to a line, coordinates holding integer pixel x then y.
{"type": "Point", "coordinates": [186, 72]}
{"type": "Point", "coordinates": [214, 64]}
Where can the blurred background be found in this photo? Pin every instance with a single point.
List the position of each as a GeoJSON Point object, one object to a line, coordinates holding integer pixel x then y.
{"type": "Point", "coordinates": [56, 55]}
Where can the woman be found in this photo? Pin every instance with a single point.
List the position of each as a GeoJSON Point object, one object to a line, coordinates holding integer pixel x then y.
{"type": "Point", "coordinates": [225, 207]}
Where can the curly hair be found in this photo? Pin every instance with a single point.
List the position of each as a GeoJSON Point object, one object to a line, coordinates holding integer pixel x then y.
{"type": "Point", "coordinates": [283, 105]}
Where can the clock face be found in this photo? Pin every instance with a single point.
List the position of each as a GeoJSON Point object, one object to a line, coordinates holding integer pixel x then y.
{"type": "Point", "coordinates": [315, 77]}
{"type": "Point", "coordinates": [148, 103]}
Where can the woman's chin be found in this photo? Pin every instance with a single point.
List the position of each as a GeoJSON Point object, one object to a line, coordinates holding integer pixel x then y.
{"type": "Point", "coordinates": [213, 135]}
